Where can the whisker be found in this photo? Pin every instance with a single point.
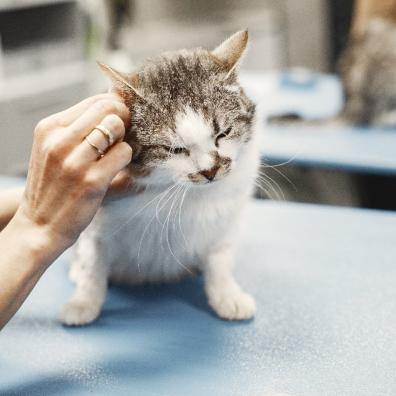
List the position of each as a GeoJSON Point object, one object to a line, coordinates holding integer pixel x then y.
{"type": "Point", "coordinates": [270, 186]}
{"type": "Point", "coordinates": [134, 215]}
{"type": "Point", "coordinates": [265, 191]}
{"type": "Point", "coordinates": [163, 194]}
{"type": "Point", "coordinates": [285, 177]}
{"type": "Point", "coordinates": [157, 206]}
{"type": "Point", "coordinates": [166, 218]}
{"type": "Point", "coordinates": [177, 199]}
{"type": "Point", "coordinates": [180, 210]}
{"type": "Point", "coordinates": [281, 163]}
{"type": "Point", "coordinates": [167, 231]}
{"type": "Point", "coordinates": [275, 182]}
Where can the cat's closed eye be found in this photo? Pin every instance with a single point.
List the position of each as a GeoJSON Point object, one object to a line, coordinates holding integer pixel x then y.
{"type": "Point", "coordinates": [176, 150]}
{"type": "Point", "coordinates": [223, 135]}
{"type": "Point", "coordinates": [179, 150]}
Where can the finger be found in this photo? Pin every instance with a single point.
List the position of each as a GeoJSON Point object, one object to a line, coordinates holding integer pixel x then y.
{"type": "Point", "coordinates": [122, 182]}
{"type": "Point", "coordinates": [116, 159]}
{"type": "Point", "coordinates": [84, 124]}
{"type": "Point", "coordinates": [122, 185]}
{"type": "Point", "coordinates": [85, 152]}
{"type": "Point", "coordinates": [66, 117]}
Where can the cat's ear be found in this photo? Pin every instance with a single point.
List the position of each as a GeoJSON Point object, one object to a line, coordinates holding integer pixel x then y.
{"type": "Point", "coordinates": [122, 83]}
{"type": "Point", "coordinates": [230, 51]}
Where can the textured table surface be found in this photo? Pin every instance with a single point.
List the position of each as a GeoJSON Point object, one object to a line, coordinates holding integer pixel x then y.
{"type": "Point", "coordinates": [324, 280]}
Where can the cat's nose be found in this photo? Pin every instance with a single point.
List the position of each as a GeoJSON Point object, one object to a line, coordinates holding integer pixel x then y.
{"type": "Point", "coordinates": [210, 173]}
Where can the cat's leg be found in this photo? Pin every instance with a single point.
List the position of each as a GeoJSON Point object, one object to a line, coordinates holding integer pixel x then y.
{"type": "Point", "coordinates": [224, 294]}
{"type": "Point", "coordinates": [90, 273]}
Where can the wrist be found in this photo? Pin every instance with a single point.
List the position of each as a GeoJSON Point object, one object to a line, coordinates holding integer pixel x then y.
{"type": "Point", "coordinates": [44, 245]}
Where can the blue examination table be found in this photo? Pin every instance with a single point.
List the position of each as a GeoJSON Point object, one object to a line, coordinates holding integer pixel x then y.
{"type": "Point", "coordinates": [316, 96]}
{"type": "Point", "coordinates": [324, 280]}
{"type": "Point", "coordinates": [348, 149]}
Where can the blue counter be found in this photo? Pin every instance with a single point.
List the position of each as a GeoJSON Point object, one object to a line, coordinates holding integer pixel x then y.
{"type": "Point", "coordinates": [324, 280]}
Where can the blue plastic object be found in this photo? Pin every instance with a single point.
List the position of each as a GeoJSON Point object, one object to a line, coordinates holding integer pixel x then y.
{"type": "Point", "coordinates": [300, 80]}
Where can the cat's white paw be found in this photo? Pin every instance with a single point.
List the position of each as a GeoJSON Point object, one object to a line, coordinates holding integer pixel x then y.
{"type": "Point", "coordinates": [232, 303]}
{"type": "Point", "coordinates": [79, 314]}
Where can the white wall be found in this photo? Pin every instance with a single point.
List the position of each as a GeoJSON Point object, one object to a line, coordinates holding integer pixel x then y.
{"type": "Point", "coordinates": [308, 24]}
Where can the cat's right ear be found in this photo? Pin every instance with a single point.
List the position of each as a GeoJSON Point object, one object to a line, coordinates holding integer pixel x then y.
{"type": "Point", "coordinates": [230, 52]}
{"type": "Point", "coordinates": [122, 83]}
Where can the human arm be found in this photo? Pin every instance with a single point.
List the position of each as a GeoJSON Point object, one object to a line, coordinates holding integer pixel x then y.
{"type": "Point", "coordinates": [65, 186]}
{"type": "Point", "coordinates": [9, 202]}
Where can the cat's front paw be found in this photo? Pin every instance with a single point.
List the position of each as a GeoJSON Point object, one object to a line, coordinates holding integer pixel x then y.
{"type": "Point", "coordinates": [232, 303]}
{"type": "Point", "coordinates": [79, 314]}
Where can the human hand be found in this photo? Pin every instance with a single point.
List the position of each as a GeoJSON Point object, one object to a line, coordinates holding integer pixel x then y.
{"type": "Point", "coordinates": [67, 178]}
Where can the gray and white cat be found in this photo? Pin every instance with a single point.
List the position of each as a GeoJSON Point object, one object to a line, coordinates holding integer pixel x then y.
{"type": "Point", "coordinates": [194, 165]}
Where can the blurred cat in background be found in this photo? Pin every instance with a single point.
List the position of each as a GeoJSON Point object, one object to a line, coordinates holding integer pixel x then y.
{"type": "Point", "coordinates": [367, 72]}
{"type": "Point", "coordinates": [193, 169]}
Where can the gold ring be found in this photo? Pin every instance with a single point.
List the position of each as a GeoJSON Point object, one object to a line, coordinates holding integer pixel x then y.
{"type": "Point", "coordinates": [106, 132]}
{"type": "Point", "coordinates": [96, 148]}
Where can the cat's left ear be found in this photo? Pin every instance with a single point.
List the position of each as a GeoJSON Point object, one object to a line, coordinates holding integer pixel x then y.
{"type": "Point", "coordinates": [122, 83]}
{"type": "Point", "coordinates": [230, 51]}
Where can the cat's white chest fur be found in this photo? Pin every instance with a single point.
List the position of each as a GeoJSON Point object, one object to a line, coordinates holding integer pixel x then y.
{"type": "Point", "coordinates": [160, 235]}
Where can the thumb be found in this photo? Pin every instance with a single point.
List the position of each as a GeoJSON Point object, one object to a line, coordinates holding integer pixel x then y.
{"type": "Point", "coordinates": [122, 185]}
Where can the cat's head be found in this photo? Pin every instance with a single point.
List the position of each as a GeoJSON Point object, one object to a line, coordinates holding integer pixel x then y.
{"type": "Point", "coordinates": [190, 117]}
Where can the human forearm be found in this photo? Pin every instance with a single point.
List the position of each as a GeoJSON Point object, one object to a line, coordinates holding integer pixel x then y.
{"type": "Point", "coordinates": [26, 251]}
{"type": "Point", "coordinates": [71, 168]}
{"type": "Point", "coordinates": [10, 200]}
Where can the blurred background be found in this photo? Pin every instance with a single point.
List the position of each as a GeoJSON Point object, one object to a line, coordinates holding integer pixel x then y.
{"type": "Point", "coordinates": [309, 62]}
